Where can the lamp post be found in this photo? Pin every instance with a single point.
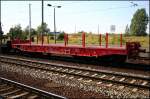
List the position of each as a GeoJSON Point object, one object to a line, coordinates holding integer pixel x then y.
{"type": "Point", "coordinates": [54, 18]}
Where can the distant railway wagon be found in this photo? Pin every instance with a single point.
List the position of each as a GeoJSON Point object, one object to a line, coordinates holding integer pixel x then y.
{"type": "Point", "coordinates": [119, 53]}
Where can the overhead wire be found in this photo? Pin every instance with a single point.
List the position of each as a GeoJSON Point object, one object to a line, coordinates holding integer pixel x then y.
{"type": "Point", "coordinates": [97, 10]}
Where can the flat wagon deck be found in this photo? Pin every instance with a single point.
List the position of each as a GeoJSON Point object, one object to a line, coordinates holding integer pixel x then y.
{"type": "Point", "coordinates": [76, 50]}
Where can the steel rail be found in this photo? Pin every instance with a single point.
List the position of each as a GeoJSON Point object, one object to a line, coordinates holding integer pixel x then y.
{"type": "Point", "coordinates": [74, 74]}
{"type": "Point", "coordinates": [32, 89]}
{"type": "Point", "coordinates": [81, 68]}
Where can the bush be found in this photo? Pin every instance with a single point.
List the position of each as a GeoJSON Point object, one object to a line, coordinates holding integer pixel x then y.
{"type": "Point", "coordinates": [60, 36]}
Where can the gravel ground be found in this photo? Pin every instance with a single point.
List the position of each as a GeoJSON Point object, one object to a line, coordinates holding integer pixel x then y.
{"type": "Point", "coordinates": [51, 86]}
{"type": "Point", "coordinates": [70, 88]}
{"type": "Point", "coordinates": [99, 67]}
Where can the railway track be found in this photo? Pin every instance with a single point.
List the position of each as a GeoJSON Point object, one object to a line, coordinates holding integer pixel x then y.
{"type": "Point", "coordinates": [101, 77]}
{"type": "Point", "coordinates": [13, 90]}
{"type": "Point", "coordinates": [140, 63]}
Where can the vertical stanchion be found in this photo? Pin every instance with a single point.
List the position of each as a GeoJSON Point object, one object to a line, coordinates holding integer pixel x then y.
{"type": "Point", "coordinates": [100, 39]}
{"type": "Point", "coordinates": [106, 40]}
{"type": "Point", "coordinates": [121, 40]}
{"type": "Point", "coordinates": [65, 39]}
{"type": "Point", "coordinates": [116, 39]}
{"type": "Point", "coordinates": [83, 39]}
{"type": "Point", "coordinates": [48, 38]}
{"type": "Point", "coordinates": [37, 39]}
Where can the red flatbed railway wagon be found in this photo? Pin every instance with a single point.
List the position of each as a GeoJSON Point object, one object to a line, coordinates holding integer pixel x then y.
{"type": "Point", "coordinates": [70, 50]}
{"type": "Point", "coordinates": [131, 49]}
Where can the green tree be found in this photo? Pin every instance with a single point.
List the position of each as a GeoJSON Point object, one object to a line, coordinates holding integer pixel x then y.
{"type": "Point", "coordinates": [139, 23]}
{"type": "Point", "coordinates": [33, 32]}
{"type": "Point", "coordinates": [127, 30]}
{"type": "Point", "coordinates": [16, 32]}
{"type": "Point", "coordinates": [80, 33]}
{"type": "Point", "coordinates": [61, 36]}
{"type": "Point", "coordinates": [45, 28]}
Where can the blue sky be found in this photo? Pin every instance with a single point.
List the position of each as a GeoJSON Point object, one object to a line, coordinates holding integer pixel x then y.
{"type": "Point", "coordinates": [84, 15]}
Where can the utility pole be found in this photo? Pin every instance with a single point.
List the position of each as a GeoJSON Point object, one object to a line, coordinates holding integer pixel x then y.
{"type": "Point", "coordinates": [1, 32]}
{"type": "Point", "coordinates": [30, 22]}
{"type": "Point", "coordinates": [98, 29]}
{"type": "Point", "coordinates": [42, 19]}
{"type": "Point", "coordinates": [54, 26]}
{"type": "Point", "coordinates": [75, 29]}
